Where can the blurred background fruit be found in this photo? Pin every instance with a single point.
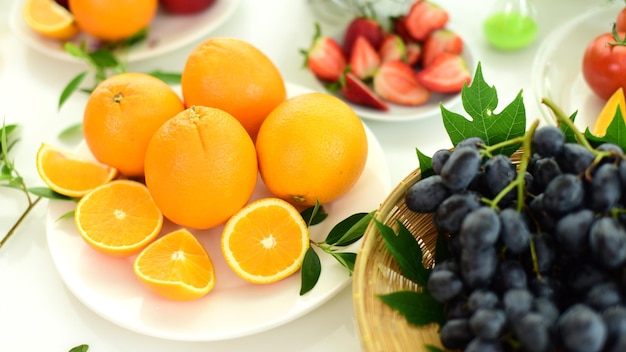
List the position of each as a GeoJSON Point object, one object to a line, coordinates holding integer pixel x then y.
{"type": "Point", "coordinates": [49, 19]}
{"type": "Point", "coordinates": [233, 75]}
{"type": "Point", "coordinates": [311, 147]}
{"type": "Point", "coordinates": [113, 20]}
{"type": "Point", "coordinates": [186, 7]}
{"type": "Point", "coordinates": [201, 167]}
{"type": "Point", "coordinates": [121, 115]}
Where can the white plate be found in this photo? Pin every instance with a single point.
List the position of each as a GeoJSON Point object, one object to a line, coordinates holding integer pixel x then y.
{"type": "Point", "coordinates": [167, 32]}
{"type": "Point", "coordinates": [557, 68]}
{"type": "Point", "coordinates": [234, 308]}
{"type": "Point", "coordinates": [398, 113]}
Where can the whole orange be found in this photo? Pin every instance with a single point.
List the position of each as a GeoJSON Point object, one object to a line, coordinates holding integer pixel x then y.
{"type": "Point", "coordinates": [235, 76]}
{"type": "Point", "coordinates": [201, 167]}
{"type": "Point", "coordinates": [311, 147]}
{"type": "Point", "coordinates": [121, 115]}
{"type": "Point", "coordinates": [113, 20]}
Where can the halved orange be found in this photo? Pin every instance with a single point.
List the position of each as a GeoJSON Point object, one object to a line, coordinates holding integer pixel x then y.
{"type": "Point", "coordinates": [118, 218]}
{"type": "Point", "coordinates": [616, 101]}
{"type": "Point", "coordinates": [68, 174]}
{"type": "Point", "coordinates": [265, 241]}
{"type": "Point", "coordinates": [176, 266]}
{"type": "Point", "coordinates": [50, 19]}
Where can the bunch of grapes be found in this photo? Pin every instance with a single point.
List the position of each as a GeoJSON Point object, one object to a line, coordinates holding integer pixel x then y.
{"type": "Point", "coordinates": [537, 249]}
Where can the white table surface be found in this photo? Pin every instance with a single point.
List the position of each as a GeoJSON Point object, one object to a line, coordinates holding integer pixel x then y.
{"type": "Point", "coordinates": [38, 313]}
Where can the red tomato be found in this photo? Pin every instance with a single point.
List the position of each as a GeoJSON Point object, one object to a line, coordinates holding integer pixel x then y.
{"type": "Point", "coordinates": [604, 65]}
{"type": "Point", "coordinates": [621, 21]}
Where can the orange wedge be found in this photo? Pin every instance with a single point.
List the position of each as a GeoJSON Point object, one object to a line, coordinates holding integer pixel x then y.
{"type": "Point", "coordinates": [49, 19]}
{"type": "Point", "coordinates": [265, 241]}
{"type": "Point", "coordinates": [69, 174]}
{"type": "Point", "coordinates": [118, 218]}
{"type": "Point", "coordinates": [616, 101]}
{"type": "Point", "coordinates": [176, 266]}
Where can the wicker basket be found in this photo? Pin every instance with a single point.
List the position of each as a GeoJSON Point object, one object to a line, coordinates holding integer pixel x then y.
{"type": "Point", "coordinates": [376, 272]}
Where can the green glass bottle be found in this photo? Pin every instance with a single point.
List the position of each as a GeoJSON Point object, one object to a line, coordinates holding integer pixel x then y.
{"type": "Point", "coordinates": [511, 25]}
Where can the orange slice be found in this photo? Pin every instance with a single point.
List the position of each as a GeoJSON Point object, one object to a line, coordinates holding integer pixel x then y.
{"type": "Point", "coordinates": [265, 241]}
{"type": "Point", "coordinates": [49, 19]}
{"type": "Point", "coordinates": [118, 218]}
{"type": "Point", "coordinates": [608, 112]}
{"type": "Point", "coordinates": [176, 266]}
{"type": "Point", "coordinates": [69, 174]}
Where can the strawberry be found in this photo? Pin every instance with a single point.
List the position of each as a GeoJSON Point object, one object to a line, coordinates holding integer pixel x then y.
{"type": "Point", "coordinates": [446, 74]}
{"type": "Point", "coordinates": [364, 60]}
{"type": "Point", "coordinates": [355, 91]}
{"type": "Point", "coordinates": [438, 41]}
{"type": "Point", "coordinates": [362, 27]}
{"type": "Point", "coordinates": [395, 82]}
{"type": "Point", "coordinates": [424, 17]}
{"type": "Point", "coordinates": [185, 7]}
{"type": "Point", "coordinates": [325, 58]}
{"type": "Point", "coordinates": [392, 48]}
{"type": "Point", "coordinates": [413, 52]}
{"type": "Point", "coordinates": [399, 28]}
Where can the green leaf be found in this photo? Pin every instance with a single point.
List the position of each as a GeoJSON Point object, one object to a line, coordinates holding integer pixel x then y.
{"type": "Point", "coordinates": [347, 259]}
{"type": "Point", "coordinates": [442, 250]}
{"type": "Point", "coordinates": [68, 215]}
{"type": "Point", "coordinates": [46, 192]}
{"type": "Point", "coordinates": [419, 308]}
{"type": "Point", "coordinates": [615, 132]}
{"type": "Point", "coordinates": [79, 52]}
{"type": "Point", "coordinates": [71, 87]}
{"type": "Point", "coordinates": [71, 131]}
{"type": "Point", "coordinates": [480, 101]}
{"type": "Point", "coordinates": [172, 78]}
{"type": "Point", "coordinates": [407, 252]}
{"type": "Point", "coordinates": [431, 348]}
{"type": "Point", "coordinates": [310, 271]}
{"type": "Point", "coordinates": [569, 134]}
{"type": "Point", "coordinates": [425, 163]}
{"type": "Point", "coordinates": [80, 348]}
{"type": "Point", "coordinates": [349, 230]}
{"type": "Point", "coordinates": [314, 215]}
{"type": "Point", "coordinates": [102, 58]}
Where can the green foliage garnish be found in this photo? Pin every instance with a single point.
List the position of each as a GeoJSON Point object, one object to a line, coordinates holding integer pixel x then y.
{"type": "Point", "coordinates": [80, 348]}
{"type": "Point", "coordinates": [615, 132]}
{"type": "Point", "coordinates": [341, 235]}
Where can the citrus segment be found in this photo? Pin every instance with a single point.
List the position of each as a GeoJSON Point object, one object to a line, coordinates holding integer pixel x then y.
{"type": "Point", "coordinates": [201, 167]}
{"type": "Point", "coordinates": [121, 115]}
{"type": "Point", "coordinates": [311, 147]}
{"type": "Point", "coordinates": [49, 19]}
{"type": "Point", "coordinates": [69, 174]}
{"type": "Point", "coordinates": [608, 112]}
{"type": "Point", "coordinates": [176, 266]}
{"type": "Point", "coordinates": [235, 76]}
{"type": "Point", "coordinates": [118, 218]}
{"type": "Point", "coordinates": [113, 20]}
{"type": "Point", "coordinates": [265, 241]}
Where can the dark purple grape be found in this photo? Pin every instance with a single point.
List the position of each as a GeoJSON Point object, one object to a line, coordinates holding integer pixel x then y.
{"type": "Point", "coordinates": [482, 345]}
{"type": "Point", "coordinates": [572, 231]}
{"type": "Point", "coordinates": [439, 158]}
{"type": "Point", "coordinates": [563, 194]}
{"type": "Point", "coordinates": [544, 254]}
{"type": "Point", "coordinates": [532, 331]}
{"type": "Point", "coordinates": [455, 333]}
{"type": "Point", "coordinates": [478, 267]}
{"type": "Point", "coordinates": [582, 329]}
{"type": "Point", "coordinates": [545, 170]}
{"type": "Point", "coordinates": [473, 142]}
{"type": "Point", "coordinates": [460, 168]}
{"type": "Point", "coordinates": [488, 323]}
{"type": "Point", "coordinates": [443, 285]}
{"type": "Point", "coordinates": [511, 274]}
{"type": "Point", "coordinates": [517, 302]}
{"type": "Point", "coordinates": [615, 320]}
{"type": "Point", "coordinates": [480, 229]}
{"type": "Point", "coordinates": [548, 141]}
{"type": "Point", "coordinates": [514, 231]}
{"type": "Point", "coordinates": [584, 277]}
{"type": "Point", "coordinates": [547, 309]}
{"type": "Point", "coordinates": [607, 239]}
{"type": "Point", "coordinates": [482, 298]}
{"type": "Point", "coordinates": [450, 213]}
{"type": "Point", "coordinates": [606, 188]}
{"type": "Point", "coordinates": [426, 195]}
{"type": "Point", "coordinates": [499, 172]}
{"type": "Point", "coordinates": [574, 158]}
{"type": "Point", "coordinates": [604, 296]}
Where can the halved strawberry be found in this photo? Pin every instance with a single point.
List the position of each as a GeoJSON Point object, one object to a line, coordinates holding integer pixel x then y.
{"type": "Point", "coordinates": [364, 60]}
{"type": "Point", "coordinates": [447, 74]}
{"type": "Point", "coordinates": [392, 48]}
{"type": "Point", "coordinates": [324, 58]}
{"type": "Point", "coordinates": [424, 17]}
{"type": "Point", "coordinates": [365, 27]}
{"type": "Point", "coordinates": [413, 52]}
{"type": "Point", "coordinates": [439, 41]}
{"type": "Point", "coordinates": [355, 91]}
{"type": "Point", "coordinates": [395, 82]}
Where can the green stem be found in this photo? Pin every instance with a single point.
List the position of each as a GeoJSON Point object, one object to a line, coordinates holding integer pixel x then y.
{"type": "Point", "coordinates": [562, 118]}
{"type": "Point", "coordinates": [30, 207]}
